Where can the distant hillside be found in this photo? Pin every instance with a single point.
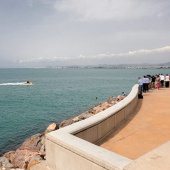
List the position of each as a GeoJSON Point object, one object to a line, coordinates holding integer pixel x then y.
{"type": "Point", "coordinates": [145, 64]}
{"type": "Point", "coordinates": [118, 65]}
{"type": "Point", "coordinates": [165, 64]}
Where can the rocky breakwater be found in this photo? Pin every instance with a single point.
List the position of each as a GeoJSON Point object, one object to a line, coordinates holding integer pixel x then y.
{"type": "Point", "coordinates": [32, 151]}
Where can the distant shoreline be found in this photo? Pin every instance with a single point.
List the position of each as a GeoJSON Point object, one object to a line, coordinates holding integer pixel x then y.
{"type": "Point", "coordinates": [118, 67]}
{"type": "Point", "coordinates": [100, 67]}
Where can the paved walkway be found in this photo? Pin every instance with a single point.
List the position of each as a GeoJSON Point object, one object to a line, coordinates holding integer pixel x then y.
{"type": "Point", "coordinates": [146, 129]}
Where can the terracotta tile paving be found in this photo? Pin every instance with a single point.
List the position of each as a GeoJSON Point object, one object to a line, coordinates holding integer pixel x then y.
{"type": "Point", "coordinates": [146, 129]}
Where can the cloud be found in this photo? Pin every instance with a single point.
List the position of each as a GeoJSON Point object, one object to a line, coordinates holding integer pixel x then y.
{"type": "Point", "coordinates": [147, 52]}
{"type": "Point", "coordinates": [111, 9]}
{"type": "Point", "coordinates": [84, 31]}
{"type": "Point", "coordinates": [136, 54]}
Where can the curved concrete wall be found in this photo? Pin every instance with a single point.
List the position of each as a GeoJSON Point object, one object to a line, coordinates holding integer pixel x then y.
{"type": "Point", "coordinates": [72, 147]}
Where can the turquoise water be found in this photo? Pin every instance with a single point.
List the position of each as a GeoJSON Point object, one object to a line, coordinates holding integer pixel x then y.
{"type": "Point", "coordinates": [56, 94]}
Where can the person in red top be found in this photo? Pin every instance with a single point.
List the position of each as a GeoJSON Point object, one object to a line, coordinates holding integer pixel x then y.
{"type": "Point", "coordinates": [158, 82]}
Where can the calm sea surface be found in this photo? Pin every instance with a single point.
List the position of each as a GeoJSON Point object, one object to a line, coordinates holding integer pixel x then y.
{"type": "Point", "coordinates": [56, 94]}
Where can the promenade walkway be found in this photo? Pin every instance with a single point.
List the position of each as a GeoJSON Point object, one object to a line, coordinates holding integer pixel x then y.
{"type": "Point", "coordinates": [146, 129]}
{"type": "Point", "coordinates": [145, 136]}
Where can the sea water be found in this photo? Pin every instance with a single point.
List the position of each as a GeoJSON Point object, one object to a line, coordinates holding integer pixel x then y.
{"type": "Point", "coordinates": [56, 94]}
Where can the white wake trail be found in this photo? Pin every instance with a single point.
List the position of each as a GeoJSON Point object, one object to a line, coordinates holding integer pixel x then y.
{"type": "Point", "coordinates": [15, 84]}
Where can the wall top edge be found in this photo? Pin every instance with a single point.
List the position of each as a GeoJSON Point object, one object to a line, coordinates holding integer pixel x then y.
{"type": "Point", "coordinates": [95, 153]}
{"type": "Point", "coordinates": [101, 116]}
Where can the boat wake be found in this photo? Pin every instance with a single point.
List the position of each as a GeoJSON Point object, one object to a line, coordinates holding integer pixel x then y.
{"type": "Point", "coordinates": [15, 84]}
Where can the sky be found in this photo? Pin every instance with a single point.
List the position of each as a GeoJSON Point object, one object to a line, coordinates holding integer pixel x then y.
{"type": "Point", "coordinates": [40, 33]}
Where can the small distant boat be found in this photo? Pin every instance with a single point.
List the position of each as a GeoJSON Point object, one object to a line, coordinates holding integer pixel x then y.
{"type": "Point", "coordinates": [29, 82]}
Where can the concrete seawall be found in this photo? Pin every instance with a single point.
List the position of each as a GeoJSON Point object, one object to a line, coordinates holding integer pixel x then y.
{"type": "Point", "coordinates": [73, 147]}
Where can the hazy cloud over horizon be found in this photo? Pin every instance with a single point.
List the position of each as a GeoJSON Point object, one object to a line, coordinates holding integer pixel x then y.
{"type": "Point", "coordinates": [37, 33]}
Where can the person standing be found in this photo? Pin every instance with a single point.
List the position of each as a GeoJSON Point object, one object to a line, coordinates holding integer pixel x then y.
{"type": "Point", "coordinates": [167, 81]}
{"type": "Point", "coordinates": [162, 80]}
{"type": "Point", "coordinates": [153, 78]}
{"type": "Point", "coordinates": [144, 84]}
{"type": "Point", "coordinates": [147, 83]}
{"type": "Point", "coordinates": [140, 82]}
{"type": "Point", "coordinates": [158, 82]}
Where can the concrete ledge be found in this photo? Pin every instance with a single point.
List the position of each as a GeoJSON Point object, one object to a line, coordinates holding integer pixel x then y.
{"type": "Point", "coordinates": [158, 159]}
{"type": "Point", "coordinates": [81, 154]}
{"type": "Point", "coordinates": [72, 147]}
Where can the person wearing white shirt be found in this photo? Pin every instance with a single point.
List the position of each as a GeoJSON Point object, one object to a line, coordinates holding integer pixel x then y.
{"type": "Point", "coordinates": [162, 80]}
{"type": "Point", "coordinates": [145, 81]}
{"type": "Point", "coordinates": [167, 80]}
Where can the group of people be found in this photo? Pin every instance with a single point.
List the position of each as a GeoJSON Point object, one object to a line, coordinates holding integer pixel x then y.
{"type": "Point", "coordinates": [151, 82]}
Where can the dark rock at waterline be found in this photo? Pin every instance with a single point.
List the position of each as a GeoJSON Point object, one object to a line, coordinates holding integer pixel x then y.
{"type": "Point", "coordinates": [30, 153]}
{"type": "Point", "coordinates": [84, 115]}
{"type": "Point", "coordinates": [26, 153]}
{"type": "Point", "coordinates": [70, 121]}
{"type": "Point", "coordinates": [66, 123]}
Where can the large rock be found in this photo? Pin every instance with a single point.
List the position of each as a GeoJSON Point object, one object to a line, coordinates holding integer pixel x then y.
{"type": "Point", "coordinates": [84, 115]}
{"type": "Point", "coordinates": [97, 109]}
{"type": "Point", "coordinates": [9, 155]}
{"type": "Point", "coordinates": [36, 159]}
{"type": "Point", "coordinates": [111, 100]}
{"type": "Point", "coordinates": [66, 123]}
{"type": "Point", "coordinates": [22, 158]}
{"type": "Point", "coordinates": [52, 127]}
{"type": "Point", "coordinates": [4, 162]}
{"type": "Point", "coordinates": [31, 152]}
{"type": "Point", "coordinates": [40, 166]}
{"type": "Point", "coordinates": [33, 143]}
{"type": "Point", "coordinates": [119, 98]}
{"type": "Point", "coordinates": [75, 119]}
{"type": "Point", "coordinates": [105, 105]}
{"type": "Point", "coordinates": [32, 164]}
